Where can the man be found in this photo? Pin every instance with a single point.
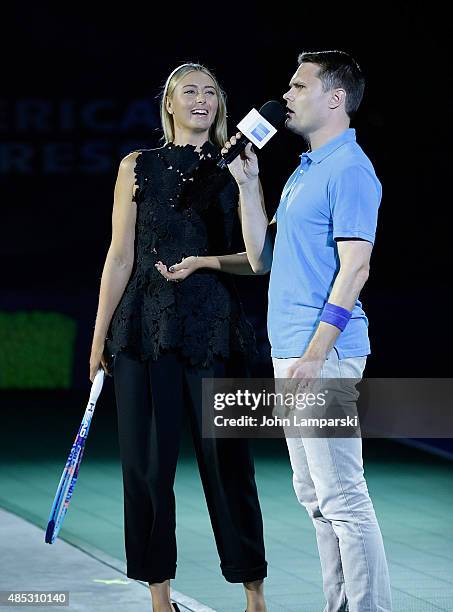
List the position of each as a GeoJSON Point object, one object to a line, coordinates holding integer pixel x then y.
{"type": "Point", "coordinates": [326, 224]}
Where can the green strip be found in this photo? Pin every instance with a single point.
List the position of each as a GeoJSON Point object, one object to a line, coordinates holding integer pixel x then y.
{"type": "Point", "coordinates": [36, 350]}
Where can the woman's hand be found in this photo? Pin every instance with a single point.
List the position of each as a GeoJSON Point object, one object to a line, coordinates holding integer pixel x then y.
{"type": "Point", "coordinates": [244, 167]}
{"type": "Point", "coordinates": [97, 359]}
{"type": "Point", "coordinates": [180, 271]}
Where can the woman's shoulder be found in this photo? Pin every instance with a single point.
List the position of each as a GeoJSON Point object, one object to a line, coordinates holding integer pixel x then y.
{"type": "Point", "coordinates": [128, 162]}
{"type": "Point", "coordinates": [132, 157]}
{"type": "Point", "coordinates": [139, 159]}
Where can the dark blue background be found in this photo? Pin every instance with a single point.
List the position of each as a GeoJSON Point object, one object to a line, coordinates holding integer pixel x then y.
{"type": "Point", "coordinates": [79, 90]}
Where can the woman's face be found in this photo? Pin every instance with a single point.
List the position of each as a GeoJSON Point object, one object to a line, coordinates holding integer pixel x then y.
{"type": "Point", "coordinates": [194, 103]}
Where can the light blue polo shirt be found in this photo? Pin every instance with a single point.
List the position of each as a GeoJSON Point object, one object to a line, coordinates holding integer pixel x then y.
{"type": "Point", "coordinates": [334, 193]}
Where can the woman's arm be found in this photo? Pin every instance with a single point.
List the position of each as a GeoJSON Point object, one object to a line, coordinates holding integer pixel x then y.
{"type": "Point", "coordinates": [119, 260]}
{"type": "Point", "coordinates": [233, 264]}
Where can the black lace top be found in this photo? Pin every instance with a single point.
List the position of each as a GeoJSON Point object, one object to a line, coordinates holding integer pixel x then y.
{"type": "Point", "coordinates": [185, 206]}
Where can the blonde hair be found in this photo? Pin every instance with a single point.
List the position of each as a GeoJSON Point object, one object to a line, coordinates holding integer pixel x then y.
{"type": "Point", "coordinates": [218, 130]}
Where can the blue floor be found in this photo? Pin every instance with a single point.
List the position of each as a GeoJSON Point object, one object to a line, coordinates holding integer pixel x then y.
{"type": "Point", "coordinates": [412, 493]}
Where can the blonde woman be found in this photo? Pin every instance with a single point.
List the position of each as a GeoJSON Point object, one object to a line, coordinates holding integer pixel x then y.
{"type": "Point", "coordinates": [171, 316]}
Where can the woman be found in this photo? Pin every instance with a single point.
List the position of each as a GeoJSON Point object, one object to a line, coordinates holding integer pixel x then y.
{"type": "Point", "coordinates": [167, 330]}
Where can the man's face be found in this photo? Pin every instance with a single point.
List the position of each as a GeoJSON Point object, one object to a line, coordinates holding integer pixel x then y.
{"type": "Point", "coordinates": [307, 104]}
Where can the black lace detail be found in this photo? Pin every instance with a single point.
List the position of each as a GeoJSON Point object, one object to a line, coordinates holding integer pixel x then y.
{"type": "Point", "coordinates": [185, 206]}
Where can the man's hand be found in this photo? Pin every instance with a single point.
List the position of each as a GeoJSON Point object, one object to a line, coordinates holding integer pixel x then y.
{"type": "Point", "coordinates": [304, 374]}
{"type": "Point", "coordinates": [181, 270]}
{"type": "Point", "coordinates": [244, 167]}
{"type": "Point", "coordinates": [305, 367]}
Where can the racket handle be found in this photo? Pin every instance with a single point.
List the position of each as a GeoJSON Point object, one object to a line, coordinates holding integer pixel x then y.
{"type": "Point", "coordinates": [96, 387]}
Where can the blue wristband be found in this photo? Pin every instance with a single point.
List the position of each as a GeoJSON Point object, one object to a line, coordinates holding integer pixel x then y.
{"type": "Point", "coordinates": [335, 315]}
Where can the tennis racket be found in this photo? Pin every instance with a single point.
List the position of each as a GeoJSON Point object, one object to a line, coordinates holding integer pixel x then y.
{"type": "Point", "coordinates": [69, 477]}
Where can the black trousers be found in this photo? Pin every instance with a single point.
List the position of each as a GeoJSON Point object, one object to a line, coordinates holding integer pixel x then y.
{"type": "Point", "coordinates": [151, 399]}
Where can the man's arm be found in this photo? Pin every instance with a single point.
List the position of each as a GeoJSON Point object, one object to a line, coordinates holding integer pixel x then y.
{"type": "Point", "coordinates": [352, 275]}
{"type": "Point", "coordinates": [240, 263]}
{"type": "Point", "coordinates": [255, 224]}
{"type": "Point", "coordinates": [255, 227]}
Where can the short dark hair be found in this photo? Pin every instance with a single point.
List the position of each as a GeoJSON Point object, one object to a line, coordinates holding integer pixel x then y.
{"type": "Point", "coordinates": [338, 69]}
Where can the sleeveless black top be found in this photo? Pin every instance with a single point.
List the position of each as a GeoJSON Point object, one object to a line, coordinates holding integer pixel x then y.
{"type": "Point", "coordinates": [185, 206]}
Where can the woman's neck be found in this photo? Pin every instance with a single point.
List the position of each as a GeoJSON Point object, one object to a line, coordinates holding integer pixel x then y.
{"type": "Point", "coordinates": [187, 137]}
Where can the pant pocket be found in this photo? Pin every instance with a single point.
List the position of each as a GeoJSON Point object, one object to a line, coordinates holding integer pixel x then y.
{"type": "Point", "coordinates": [352, 367]}
{"type": "Point", "coordinates": [331, 367]}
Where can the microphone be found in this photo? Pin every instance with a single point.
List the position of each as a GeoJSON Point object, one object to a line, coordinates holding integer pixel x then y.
{"type": "Point", "coordinates": [256, 127]}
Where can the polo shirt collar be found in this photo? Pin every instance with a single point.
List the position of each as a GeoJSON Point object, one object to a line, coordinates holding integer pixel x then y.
{"type": "Point", "coordinates": [318, 155]}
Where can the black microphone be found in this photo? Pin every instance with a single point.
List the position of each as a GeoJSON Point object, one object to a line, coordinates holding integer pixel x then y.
{"type": "Point", "coordinates": [256, 127]}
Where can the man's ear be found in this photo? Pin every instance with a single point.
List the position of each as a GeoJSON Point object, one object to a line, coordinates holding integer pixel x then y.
{"type": "Point", "coordinates": [337, 98]}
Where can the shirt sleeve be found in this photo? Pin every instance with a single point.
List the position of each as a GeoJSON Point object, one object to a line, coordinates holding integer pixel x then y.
{"type": "Point", "coordinates": [354, 197]}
